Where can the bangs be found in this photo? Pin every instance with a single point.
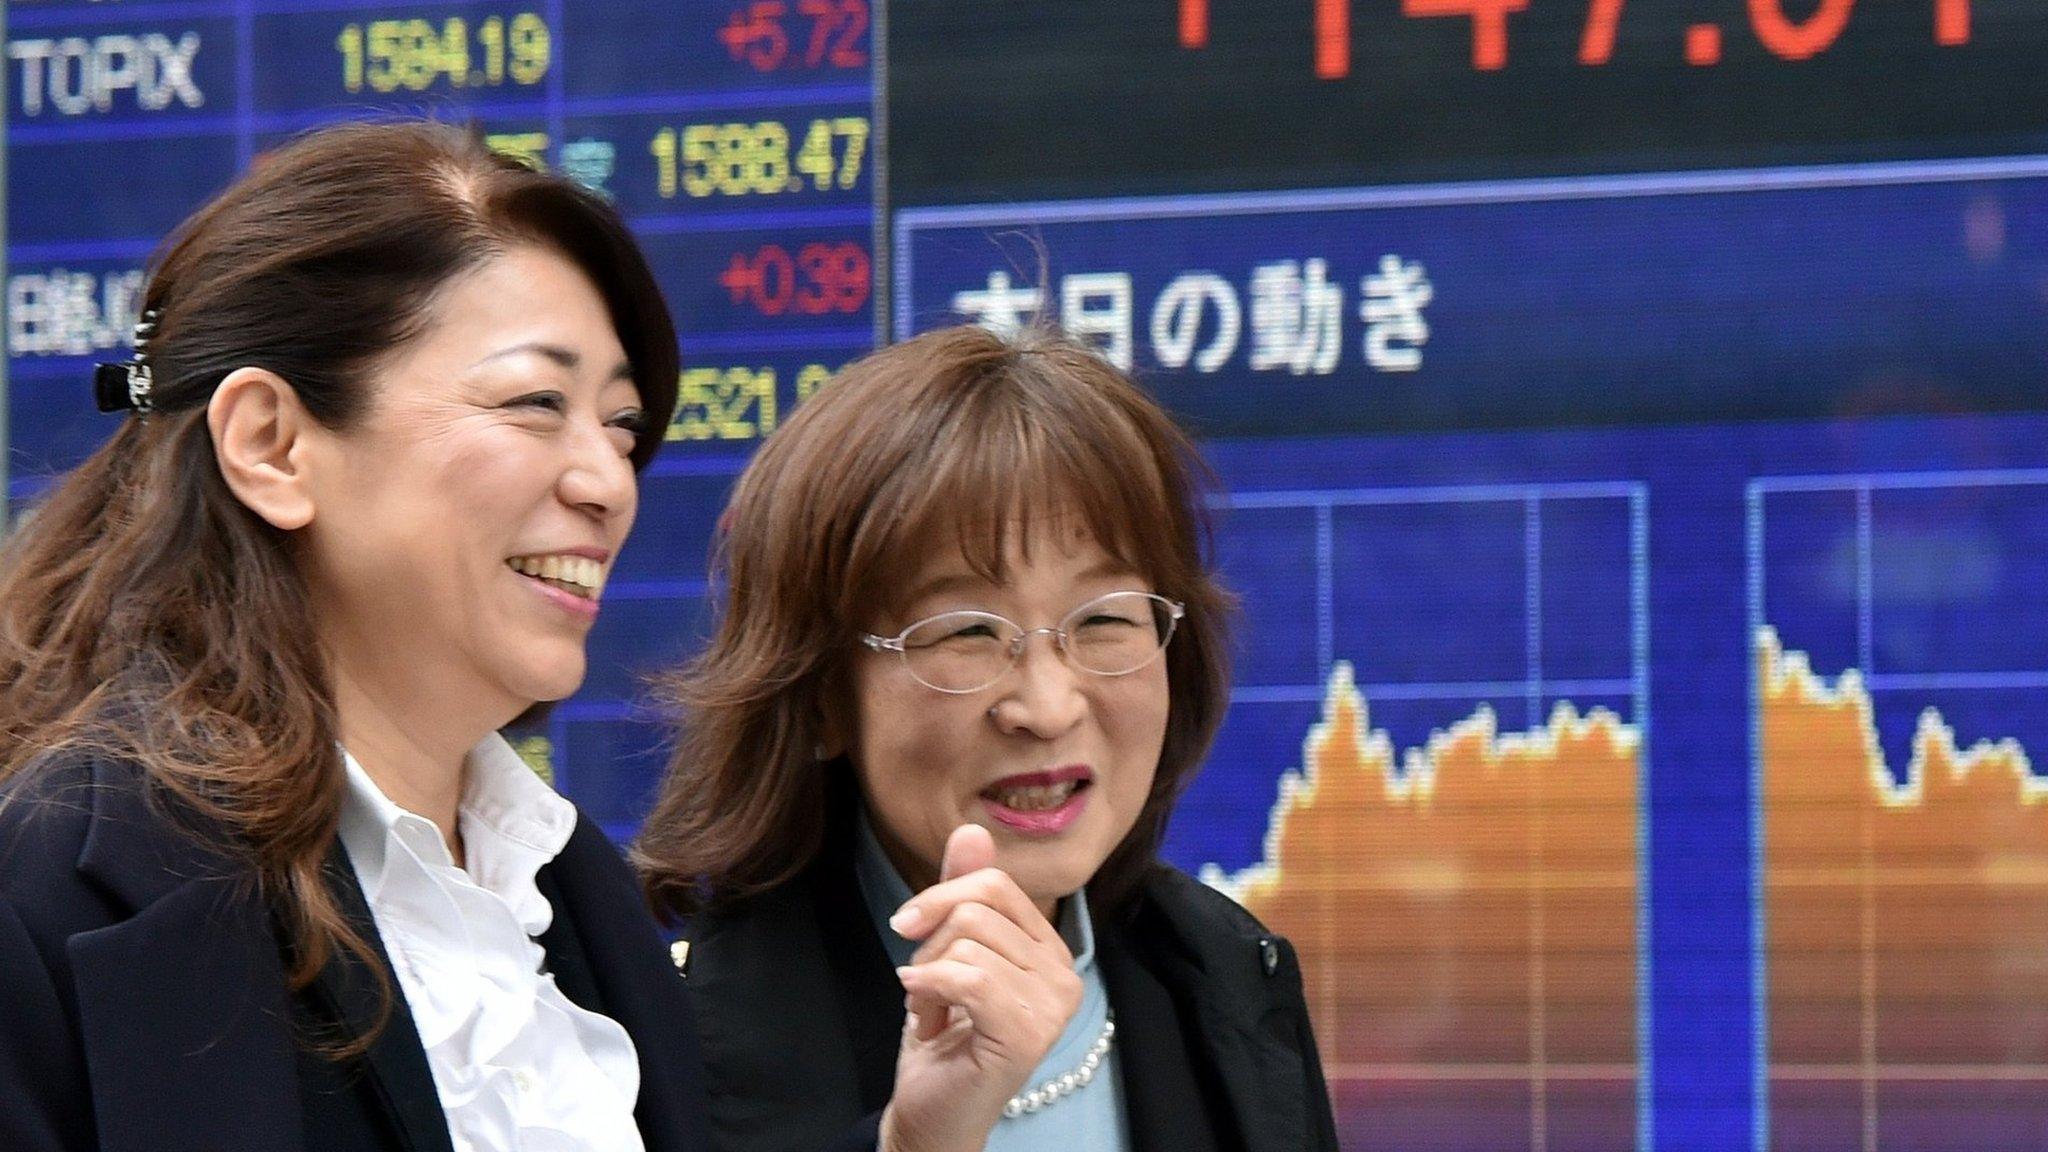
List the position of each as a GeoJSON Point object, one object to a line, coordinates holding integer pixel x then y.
{"type": "Point", "coordinates": [957, 448]}
{"type": "Point", "coordinates": [1016, 456]}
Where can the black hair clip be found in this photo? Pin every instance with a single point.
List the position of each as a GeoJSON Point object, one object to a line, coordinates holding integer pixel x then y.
{"type": "Point", "coordinates": [125, 386]}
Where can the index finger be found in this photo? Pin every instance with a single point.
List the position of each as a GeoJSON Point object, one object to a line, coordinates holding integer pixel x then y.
{"type": "Point", "coordinates": [924, 912]}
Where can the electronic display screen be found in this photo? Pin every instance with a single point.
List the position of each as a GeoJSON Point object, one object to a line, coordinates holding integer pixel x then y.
{"type": "Point", "coordinates": [1633, 417]}
{"type": "Point", "coordinates": [736, 140]}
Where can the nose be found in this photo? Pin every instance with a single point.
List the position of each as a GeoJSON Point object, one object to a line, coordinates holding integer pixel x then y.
{"type": "Point", "coordinates": [1045, 699]}
{"type": "Point", "coordinates": [595, 478]}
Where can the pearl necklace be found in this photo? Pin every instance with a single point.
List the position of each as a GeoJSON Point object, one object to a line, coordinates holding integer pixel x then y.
{"type": "Point", "coordinates": [1067, 1083]}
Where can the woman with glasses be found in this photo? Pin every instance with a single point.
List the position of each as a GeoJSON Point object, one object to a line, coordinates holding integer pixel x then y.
{"type": "Point", "coordinates": [969, 655]}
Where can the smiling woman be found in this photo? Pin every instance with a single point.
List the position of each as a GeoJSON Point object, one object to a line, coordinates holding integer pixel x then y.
{"type": "Point", "coordinates": [269, 878]}
{"type": "Point", "coordinates": [970, 653]}
{"type": "Point", "coordinates": [466, 471]}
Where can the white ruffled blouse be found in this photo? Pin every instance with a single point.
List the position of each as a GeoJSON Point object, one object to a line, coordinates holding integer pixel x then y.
{"type": "Point", "coordinates": [518, 1066]}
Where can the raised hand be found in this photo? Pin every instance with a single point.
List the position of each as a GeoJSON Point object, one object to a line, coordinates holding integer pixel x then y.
{"type": "Point", "coordinates": [990, 989]}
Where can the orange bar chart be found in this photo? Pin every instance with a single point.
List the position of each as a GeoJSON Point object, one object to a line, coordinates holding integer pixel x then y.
{"type": "Point", "coordinates": [1905, 925]}
{"type": "Point", "coordinates": [1467, 917]}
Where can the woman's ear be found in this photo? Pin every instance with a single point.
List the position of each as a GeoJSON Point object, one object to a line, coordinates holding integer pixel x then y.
{"type": "Point", "coordinates": [260, 440]}
{"type": "Point", "coordinates": [829, 746]}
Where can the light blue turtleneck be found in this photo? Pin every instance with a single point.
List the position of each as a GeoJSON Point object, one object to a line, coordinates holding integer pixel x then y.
{"type": "Point", "coordinates": [1091, 1118]}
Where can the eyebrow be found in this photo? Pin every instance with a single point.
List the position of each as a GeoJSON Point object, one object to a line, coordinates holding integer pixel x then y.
{"type": "Point", "coordinates": [936, 585]}
{"type": "Point", "coordinates": [556, 354]}
{"type": "Point", "coordinates": [954, 581]}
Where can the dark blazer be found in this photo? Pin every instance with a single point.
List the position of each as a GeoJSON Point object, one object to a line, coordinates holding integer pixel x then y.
{"type": "Point", "coordinates": [144, 1005]}
{"type": "Point", "coordinates": [801, 1014]}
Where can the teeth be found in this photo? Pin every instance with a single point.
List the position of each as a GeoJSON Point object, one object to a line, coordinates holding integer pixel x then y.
{"type": "Point", "coordinates": [579, 575]}
{"type": "Point", "coordinates": [1037, 798]}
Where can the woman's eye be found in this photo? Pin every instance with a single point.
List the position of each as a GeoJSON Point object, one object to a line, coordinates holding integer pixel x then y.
{"type": "Point", "coordinates": [634, 421]}
{"type": "Point", "coordinates": [546, 401]}
{"type": "Point", "coordinates": [942, 634]}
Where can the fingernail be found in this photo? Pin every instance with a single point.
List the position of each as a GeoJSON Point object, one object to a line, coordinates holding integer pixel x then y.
{"type": "Point", "coordinates": [907, 919]}
{"type": "Point", "coordinates": [906, 973]}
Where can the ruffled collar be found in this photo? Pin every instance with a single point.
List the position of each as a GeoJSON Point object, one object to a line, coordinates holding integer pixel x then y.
{"type": "Point", "coordinates": [516, 1064]}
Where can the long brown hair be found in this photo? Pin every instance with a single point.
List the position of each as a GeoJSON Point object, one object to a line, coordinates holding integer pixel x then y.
{"type": "Point", "coordinates": [145, 613]}
{"type": "Point", "coordinates": [956, 436]}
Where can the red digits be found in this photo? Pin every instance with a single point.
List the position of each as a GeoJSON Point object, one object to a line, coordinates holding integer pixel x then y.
{"type": "Point", "coordinates": [837, 275]}
{"type": "Point", "coordinates": [822, 278]}
{"type": "Point", "coordinates": [847, 51]}
{"type": "Point", "coordinates": [767, 281]}
{"type": "Point", "coordinates": [1596, 46]}
{"type": "Point", "coordinates": [1703, 45]}
{"type": "Point", "coordinates": [739, 277]}
{"type": "Point", "coordinates": [775, 280]}
{"type": "Point", "coordinates": [1951, 22]}
{"type": "Point", "coordinates": [836, 29]}
{"type": "Point", "coordinates": [1333, 39]}
{"type": "Point", "coordinates": [816, 296]}
{"type": "Point", "coordinates": [1489, 24]}
{"type": "Point", "coordinates": [754, 34]}
{"type": "Point", "coordinates": [1194, 23]}
{"type": "Point", "coordinates": [855, 278]}
{"type": "Point", "coordinates": [1799, 40]}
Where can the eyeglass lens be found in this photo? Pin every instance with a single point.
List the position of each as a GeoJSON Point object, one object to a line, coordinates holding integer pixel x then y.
{"type": "Point", "coordinates": [1111, 636]}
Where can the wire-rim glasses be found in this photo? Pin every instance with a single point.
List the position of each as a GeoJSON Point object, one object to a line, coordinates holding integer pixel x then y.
{"type": "Point", "coordinates": [966, 651]}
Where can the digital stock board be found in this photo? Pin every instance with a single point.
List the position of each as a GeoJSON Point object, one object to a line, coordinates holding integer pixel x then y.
{"type": "Point", "coordinates": [1633, 425]}
{"type": "Point", "coordinates": [736, 139]}
{"type": "Point", "coordinates": [1629, 412]}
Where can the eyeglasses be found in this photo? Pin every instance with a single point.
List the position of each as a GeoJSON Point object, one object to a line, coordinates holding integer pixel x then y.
{"type": "Point", "coordinates": [961, 652]}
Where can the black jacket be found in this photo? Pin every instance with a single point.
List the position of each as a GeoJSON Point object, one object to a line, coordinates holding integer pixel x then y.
{"type": "Point", "coordinates": [801, 1014]}
{"type": "Point", "coordinates": [144, 1004]}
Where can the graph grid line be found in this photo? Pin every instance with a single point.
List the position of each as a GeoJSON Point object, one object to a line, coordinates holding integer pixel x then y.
{"type": "Point", "coordinates": [1862, 489]}
{"type": "Point", "coordinates": [1528, 502]}
{"type": "Point", "coordinates": [1531, 499]}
